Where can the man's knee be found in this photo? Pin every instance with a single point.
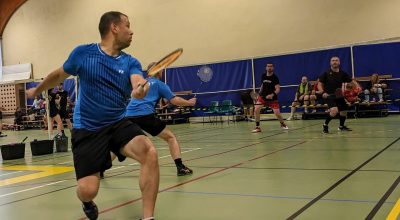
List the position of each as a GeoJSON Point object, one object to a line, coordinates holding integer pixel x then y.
{"type": "Point", "coordinates": [333, 112]}
{"type": "Point", "coordinates": [87, 190]}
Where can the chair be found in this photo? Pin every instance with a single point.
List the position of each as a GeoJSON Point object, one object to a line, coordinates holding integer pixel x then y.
{"type": "Point", "coordinates": [213, 109]}
{"type": "Point", "coordinates": [228, 109]}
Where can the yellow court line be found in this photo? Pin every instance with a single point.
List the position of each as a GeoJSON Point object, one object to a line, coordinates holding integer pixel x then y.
{"type": "Point", "coordinates": [44, 172]}
{"type": "Point", "coordinates": [395, 211]}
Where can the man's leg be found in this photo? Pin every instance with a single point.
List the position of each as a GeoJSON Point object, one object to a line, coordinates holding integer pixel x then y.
{"type": "Point", "coordinates": [292, 110]}
{"type": "Point", "coordinates": [60, 125]}
{"type": "Point", "coordinates": [87, 190]}
{"type": "Point", "coordinates": [69, 124]}
{"type": "Point", "coordinates": [332, 113]}
{"type": "Point", "coordinates": [257, 111]}
{"type": "Point", "coordinates": [175, 151]}
{"type": "Point", "coordinates": [140, 148]}
{"type": "Point", "coordinates": [278, 115]}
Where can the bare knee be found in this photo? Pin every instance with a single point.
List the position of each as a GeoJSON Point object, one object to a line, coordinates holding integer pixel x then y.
{"type": "Point", "coordinates": [86, 191]}
{"type": "Point", "coordinates": [333, 112]}
{"type": "Point", "coordinates": [141, 149]}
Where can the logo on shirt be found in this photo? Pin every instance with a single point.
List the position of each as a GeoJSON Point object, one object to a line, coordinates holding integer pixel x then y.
{"type": "Point", "coordinates": [121, 71]}
{"type": "Point", "coordinates": [267, 81]}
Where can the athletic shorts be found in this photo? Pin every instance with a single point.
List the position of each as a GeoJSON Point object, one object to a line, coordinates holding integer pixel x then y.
{"type": "Point", "coordinates": [91, 149]}
{"type": "Point", "coordinates": [63, 114]}
{"type": "Point", "coordinates": [339, 103]}
{"type": "Point", "coordinates": [273, 104]}
{"type": "Point", "coordinates": [53, 112]}
{"type": "Point", "coordinates": [149, 123]}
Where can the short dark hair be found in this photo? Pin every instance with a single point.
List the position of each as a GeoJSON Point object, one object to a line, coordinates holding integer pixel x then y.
{"type": "Point", "coordinates": [108, 18]}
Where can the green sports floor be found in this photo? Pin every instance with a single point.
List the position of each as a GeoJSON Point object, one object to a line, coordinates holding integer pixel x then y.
{"type": "Point", "coordinates": [295, 174]}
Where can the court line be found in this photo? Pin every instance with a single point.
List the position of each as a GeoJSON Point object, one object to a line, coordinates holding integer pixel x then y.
{"type": "Point", "coordinates": [395, 211]}
{"type": "Point", "coordinates": [161, 148]}
{"type": "Point", "coordinates": [312, 202]}
{"type": "Point", "coordinates": [194, 149]}
{"type": "Point", "coordinates": [199, 178]}
{"type": "Point", "coordinates": [29, 189]}
{"type": "Point", "coordinates": [293, 168]}
{"type": "Point", "coordinates": [11, 173]}
{"type": "Point", "coordinates": [383, 199]}
{"type": "Point", "coordinates": [274, 196]}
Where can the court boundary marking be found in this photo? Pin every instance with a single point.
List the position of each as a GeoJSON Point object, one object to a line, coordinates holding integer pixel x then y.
{"type": "Point", "coordinates": [312, 202]}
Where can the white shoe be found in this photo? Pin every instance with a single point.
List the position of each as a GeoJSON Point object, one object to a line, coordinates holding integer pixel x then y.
{"type": "Point", "coordinates": [284, 127]}
{"type": "Point", "coordinates": [290, 118]}
{"type": "Point", "coordinates": [256, 130]}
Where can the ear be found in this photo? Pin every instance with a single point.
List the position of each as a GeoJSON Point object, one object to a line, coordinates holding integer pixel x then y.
{"type": "Point", "coordinates": [114, 28]}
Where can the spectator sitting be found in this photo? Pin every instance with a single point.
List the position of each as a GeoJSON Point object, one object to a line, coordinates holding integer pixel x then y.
{"type": "Point", "coordinates": [302, 97]}
{"type": "Point", "coordinates": [375, 86]}
{"type": "Point", "coordinates": [351, 92]}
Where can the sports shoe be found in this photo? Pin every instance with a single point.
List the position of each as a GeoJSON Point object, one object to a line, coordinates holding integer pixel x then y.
{"type": "Point", "coordinates": [284, 127]}
{"type": "Point", "coordinates": [343, 128]}
{"type": "Point", "coordinates": [290, 118]}
{"type": "Point", "coordinates": [91, 210]}
{"type": "Point", "coordinates": [184, 170]}
{"type": "Point", "coordinates": [325, 129]}
{"type": "Point", "coordinates": [256, 130]}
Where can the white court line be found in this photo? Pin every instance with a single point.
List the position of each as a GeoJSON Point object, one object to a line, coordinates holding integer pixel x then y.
{"type": "Point", "coordinates": [29, 189]}
{"type": "Point", "coordinates": [11, 173]}
{"type": "Point", "coordinates": [161, 148]}
{"type": "Point", "coordinates": [193, 149]}
{"type": "Point", "coordinates": [65, 162]}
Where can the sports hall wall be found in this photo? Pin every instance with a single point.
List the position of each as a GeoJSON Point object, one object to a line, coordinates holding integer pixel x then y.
{"type": "Point", "coordinates": [43, 32]}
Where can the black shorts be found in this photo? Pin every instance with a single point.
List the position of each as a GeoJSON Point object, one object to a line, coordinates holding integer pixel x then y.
{"type": "Point", "coordinates": [339, 103]}
{"type": "Point", "coordinates": [63, 114]}
{"type": "Point", "coordinates": [53, 112]}
{"type": "Point", "coordinates": [91, 149]}
{"type": "Point", "coordinates": [149, 123]}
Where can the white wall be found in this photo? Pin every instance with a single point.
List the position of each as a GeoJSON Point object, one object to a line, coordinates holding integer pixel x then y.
{"type": "Point", "coordinates": [43, 32]}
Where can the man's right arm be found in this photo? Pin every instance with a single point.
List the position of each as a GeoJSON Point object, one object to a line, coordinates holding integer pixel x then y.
{"type": "Point", "coordinates": [51, 80]}
{"type": "Point", "coordinates": [183, 102]}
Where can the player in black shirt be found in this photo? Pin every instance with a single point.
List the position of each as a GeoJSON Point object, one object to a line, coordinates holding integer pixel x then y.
{"type": "Point", "coordinates": [329, 83]}
{"type": "Point", "coordinates": [268, 96]}
{"type": "Point", "coordinates": [63, 112]}
{"type": "Point", "coordinates": [54, 106]}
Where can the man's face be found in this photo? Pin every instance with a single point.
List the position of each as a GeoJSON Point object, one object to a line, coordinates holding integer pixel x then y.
{"type": "Point", "coordinates": [60, 87]}
{"type": "Point", "coordinates": [123, 33]}
{"type": "Point", "coordinates": [304, 80]}
{"type": "Point", "coordinates": [335, 62]}
{"type": "Point", "coordinates": [270, 68]}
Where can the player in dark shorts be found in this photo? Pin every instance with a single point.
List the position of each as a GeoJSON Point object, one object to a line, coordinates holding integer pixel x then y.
{"type": "Point", "coordinates": [268, 96]}
{"type": "Point", "coordinates": [108, 77]}
{"type": "Point", "coordinates": [54, 107]}
{"type": "Point", "coordinates": [142, 112]}
{"type": "Point", "coordinates": [63, 112]}
{"type": "Point", "coordinates": [329, 82]}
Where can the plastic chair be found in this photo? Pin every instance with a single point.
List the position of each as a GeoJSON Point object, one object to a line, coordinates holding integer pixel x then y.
{"type": "Point", "coordinates": [213, 109]}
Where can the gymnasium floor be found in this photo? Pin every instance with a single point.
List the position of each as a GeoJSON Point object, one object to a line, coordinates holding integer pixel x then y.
{"type": "Point", "coordinates": [237, 175]}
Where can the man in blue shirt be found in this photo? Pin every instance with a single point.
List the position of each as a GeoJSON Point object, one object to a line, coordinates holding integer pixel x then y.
{"type": "Point", "coordinates": [106, 78]}
{"type": "Point", "coordinates": [142, 112]}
